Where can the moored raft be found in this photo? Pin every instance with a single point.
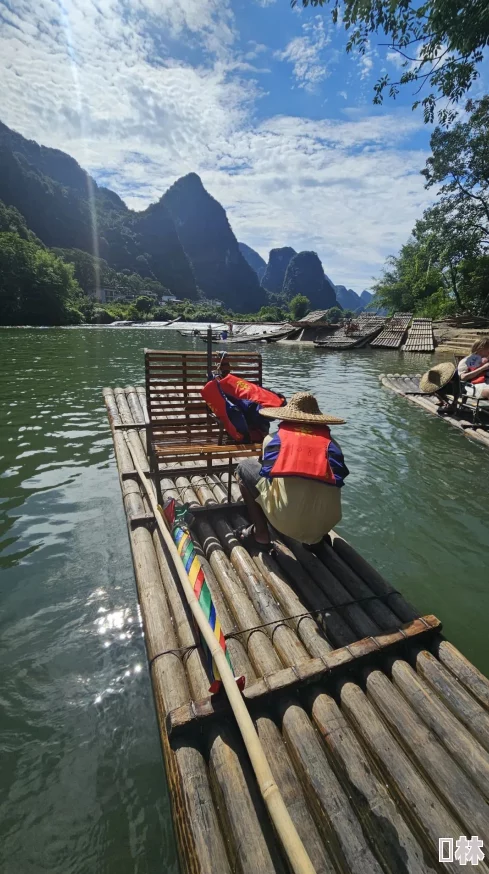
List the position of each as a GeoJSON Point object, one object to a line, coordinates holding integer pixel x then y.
{"type": "Point", "coordinates": [408, 386]}
{"type": "Point", "coordinates": [375, 727]}
{"type": "Point", "coordinates": [362, 331]}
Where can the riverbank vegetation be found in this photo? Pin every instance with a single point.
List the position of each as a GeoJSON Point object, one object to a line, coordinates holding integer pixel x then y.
{"type": "Point", "coordinates": [443, 268]}
{"type": "Point", "coordinates": [42, 286]}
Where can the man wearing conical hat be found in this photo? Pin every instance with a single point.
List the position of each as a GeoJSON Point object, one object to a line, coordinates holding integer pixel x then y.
{"type": "Point", "coordinates": [296, 487]}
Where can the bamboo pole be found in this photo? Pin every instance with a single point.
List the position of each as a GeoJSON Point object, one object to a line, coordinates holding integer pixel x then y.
{"type": "Point", "coordinates": [464, 670]}
{"type": "Point", "coordinates": [287, 832]}
{"type": "Point", "coordinates": [455, 737]}
{"type": "Point", "coordinates": [435, 763]}
{"type": "Point", "coordinates": [381, 818]}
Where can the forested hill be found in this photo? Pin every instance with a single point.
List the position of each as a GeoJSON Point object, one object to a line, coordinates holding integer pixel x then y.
{"type": "Point", "coordinates": [220, 269]}
{"type": "Point", "coordinates": [66, 208]}
{"type": "Point", "coordinates": [184, 241]}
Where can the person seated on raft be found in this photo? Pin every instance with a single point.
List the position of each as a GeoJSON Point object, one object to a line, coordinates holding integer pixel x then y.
{"type": "Point", "coordinates": [296, 487]}
{"type": "Point", "coordinates": [473, 370]}
{"type": "Point", "coordinates": [443, 382]}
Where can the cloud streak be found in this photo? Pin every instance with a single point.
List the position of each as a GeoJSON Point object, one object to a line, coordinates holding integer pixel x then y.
{"type": "Point", "coordinates": [305, 53]}
{"type": "Point", "coordinates": [104, 82]}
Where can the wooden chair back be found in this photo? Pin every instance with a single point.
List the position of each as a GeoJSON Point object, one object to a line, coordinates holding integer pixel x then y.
{"type": "Point", "coordinates": [178, 415]}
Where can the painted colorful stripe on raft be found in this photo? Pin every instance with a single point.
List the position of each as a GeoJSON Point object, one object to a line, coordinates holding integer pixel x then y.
{"type": "Point", "coordinates": [195, 572]}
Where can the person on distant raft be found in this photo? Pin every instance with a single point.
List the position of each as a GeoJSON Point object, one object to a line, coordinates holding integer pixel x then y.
{"type": "Point", "coordinates": [442, 381]}
{"type": "Point", "coordinates": [474, 370]}
{"type": "Point", "coordinates": [296, 486]}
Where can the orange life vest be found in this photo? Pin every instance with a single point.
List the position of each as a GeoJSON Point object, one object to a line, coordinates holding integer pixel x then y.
{"type": "Point", "coordinates": [241, 389]}
{"type": "Point", "coordinates": [306, 451]}
{"type": "Point", "coordinates": [236, 403]}
{"type": "Point", "coordinates": [478, 379]}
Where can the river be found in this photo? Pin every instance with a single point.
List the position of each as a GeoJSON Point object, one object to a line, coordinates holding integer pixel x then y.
{"type": "Point", "coordinates": [83, 784]}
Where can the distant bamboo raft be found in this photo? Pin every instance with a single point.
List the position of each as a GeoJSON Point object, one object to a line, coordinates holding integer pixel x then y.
{"type": "Point", "coordinates": [375, 727]}
{"type": "Point", "coordinates": [420, 337]}
{"type": "Point", "coordinates": [394, 332]}
{"type": "Point", "coordinates": [363, 330]}
{"type": "Point", "coordinates": [408, 386]}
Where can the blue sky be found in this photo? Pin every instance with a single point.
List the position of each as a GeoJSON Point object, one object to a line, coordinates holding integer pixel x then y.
{"type": "Point", "coordinates": [259, 99]}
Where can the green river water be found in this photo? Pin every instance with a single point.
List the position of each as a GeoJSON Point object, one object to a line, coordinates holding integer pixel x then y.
{"type": "Point", "coordinates": [83, 784]}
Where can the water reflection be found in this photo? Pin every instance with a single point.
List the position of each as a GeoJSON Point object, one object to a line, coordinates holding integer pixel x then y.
{"type": "Point", "coordinates": [83, 783]}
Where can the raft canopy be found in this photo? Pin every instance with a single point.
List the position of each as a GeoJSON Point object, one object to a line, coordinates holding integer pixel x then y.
{"type": "Point", "coordinates": [375, 727]}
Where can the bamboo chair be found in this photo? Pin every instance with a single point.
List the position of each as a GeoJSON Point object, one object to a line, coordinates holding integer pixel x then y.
{"type": "Point", "coordinates": [181, 429]}
{"type": "Point", "coordinates": [478, 405]}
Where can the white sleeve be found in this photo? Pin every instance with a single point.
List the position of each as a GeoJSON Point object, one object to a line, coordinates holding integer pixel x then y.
{"type": "Point", "coordinates": [462, 367]}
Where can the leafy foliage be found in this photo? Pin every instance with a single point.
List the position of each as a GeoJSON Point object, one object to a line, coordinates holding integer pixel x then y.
{"type": "Point", "coordinates": [443, 268]}
{"type": "Point", "coordinates": [271, 314]}
{"type": "Point", "coordinates": [441, 43]}
{"type": "Point", "coordinates": [409, 280]}
{"type": "Point", "coordinates": [334, 315]}
{"type": "Point", "coordinates": [36, 287]}
{"type": "Point", "coordinates": [299, 306]}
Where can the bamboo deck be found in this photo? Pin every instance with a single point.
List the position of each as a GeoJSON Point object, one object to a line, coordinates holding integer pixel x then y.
{"type": "Point", "coordinates": [376, 728]}
{"type": "Point", "coordinates": [420, 337]}
{"type": "Point", "coordinates": [394, 332]}
{"type": "Point", "coordinates": [407, 386]}
{"type": "Point", "coordinates": [368, 328]}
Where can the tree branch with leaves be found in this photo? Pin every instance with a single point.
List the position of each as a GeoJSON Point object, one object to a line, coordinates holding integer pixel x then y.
{"type": "Point", "coordinates": [454, 32]}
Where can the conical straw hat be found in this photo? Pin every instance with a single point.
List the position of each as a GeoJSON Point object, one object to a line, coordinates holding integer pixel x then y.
{"type": "Point", "coordinates": [437, 378]}
{"type": "Point", "coordinates": [302, 407]}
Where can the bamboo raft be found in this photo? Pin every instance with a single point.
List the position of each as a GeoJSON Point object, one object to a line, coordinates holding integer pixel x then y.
{"type": "Point", "coordinates": [375, 727]}
{"type": "Point", "coordinates": [408, 387]}
{"type": "Point", "coordinates": [394, 332]}
{"type": "Point", "coordinates": [420, 337]}
{"type": "Point", "coordinates": [368, 328]}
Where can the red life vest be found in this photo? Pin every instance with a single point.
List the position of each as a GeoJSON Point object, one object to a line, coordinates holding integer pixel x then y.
{"type": "Point", "coordinates": [215, 399]}
{"type": "Point", "coordinates": [241, 419]}
{"type": "Point", "coordinates": [241, 389]}
{"type": "Point", "coordinates": [478, 379]}
{"type": "Point", "coordinates": [306, 451]}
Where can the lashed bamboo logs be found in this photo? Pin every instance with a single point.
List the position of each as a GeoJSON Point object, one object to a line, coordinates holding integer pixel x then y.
{"type": "Point", "coordinates": [364, 783]}
{"type": "Point", "coordinates": [196, 820]}
{"type": "Point", "coordinates": [428, 816]}
{"type": "Point", "coordinates": [381, 819]}
{"type": "Point", "coordinates": [294, 848]}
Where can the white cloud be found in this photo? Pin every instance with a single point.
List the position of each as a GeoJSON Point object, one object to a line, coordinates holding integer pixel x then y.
{"type": "Point", "coordinates": [305, 54]}
{"type": "Point", "coordinates": [342, 94]}
{"type": "Point", "coordinates": [366, 63]}
{"type": "Point", "coordinates": [265, 2]}
{"type": "Point", "coordinates": [103, 86]}
{"type": "Point", "coordinates": [255, 49]}
{"type": "Point", "coordinates": [396, 59]}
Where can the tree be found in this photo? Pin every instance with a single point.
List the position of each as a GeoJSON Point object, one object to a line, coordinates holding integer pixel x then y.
{"type": "Point", "coordinates": [334, 315]}
{"type": "Point", "coordinates": [474, 284]}
{"type": "Point", "coordinates": [36, 287]}
{"type": "Point", "coordinates": [460, 164]}
{"type": "Point", "coordinates": [409, 280]}
{"type": "Point", "coordinates": [441, 43]}
{"type": "Point", "coordinates": [448, 239]}
{"type": "Point", "coordinates": [271, 314]}
{"type": "Point", "coordinates": [144, 304]}
{"type": "Point", "coordinates": [299, 306]}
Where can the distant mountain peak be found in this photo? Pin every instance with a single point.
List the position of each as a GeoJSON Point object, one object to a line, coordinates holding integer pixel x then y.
{"type": "Point", "coordinates": [274, 275]}
{"type": "Point", "coordinates": [305, 275]}
{"type": "Point", "coordinates": [255, 260]}
{"type": "Point", "coordinates": [220, 269]}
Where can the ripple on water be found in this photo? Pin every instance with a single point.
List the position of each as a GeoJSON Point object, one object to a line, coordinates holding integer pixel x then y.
{"type": "Point", "coordinates": [83, 786]}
